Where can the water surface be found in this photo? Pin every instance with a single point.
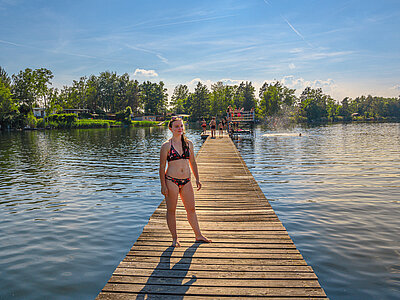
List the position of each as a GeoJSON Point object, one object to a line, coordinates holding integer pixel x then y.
{"type": "Point", "coordinates": [337, 191]}
{"type": "Point", "coordinates": [73, 203]}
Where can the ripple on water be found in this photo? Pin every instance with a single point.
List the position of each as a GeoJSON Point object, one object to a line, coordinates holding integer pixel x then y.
{"type": "Point", "coordinates": [337, 195]}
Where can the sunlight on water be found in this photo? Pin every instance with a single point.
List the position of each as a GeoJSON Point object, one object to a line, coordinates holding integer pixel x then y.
{"type": "Point", "coordinates": [337, 190]}
{"type": "Point", "coordinates": [73, 203]}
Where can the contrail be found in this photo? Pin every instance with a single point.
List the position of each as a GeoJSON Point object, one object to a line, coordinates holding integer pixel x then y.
{"type": "Point", "coordinates": [290, 25]}
{"type": "Point", "coordinates": [191, 21]}
{"type": "Point", "coordinates": [9, 43]}
{"type": "Point", "coordinates": [162, 58]}
{"type": "Point", "coordinates": [46, 50]}
{"type": "Point", "coordinates": [294, 29]}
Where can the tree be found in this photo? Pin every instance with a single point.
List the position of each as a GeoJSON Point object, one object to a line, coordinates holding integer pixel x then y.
{"type": "Point", "coordinates": [200, 102]}
{"type": "Point", "coordinates": [249, 100]}
{"type": "Point", "coordinates": [92, 93]}
{"type": "Point", "coordinates": [154, 97]}
{"type": "Point", "coordinates": [274, 98]}
{"type": "Point", "coordinates": [31, 87]}
{"type": "Point", "coordinates": [133, 96]}
{"type": "Point", "coordinates": [269, 100]}
{"type": "Point", "coordinates": [315, 105]}
{"type": "Point", "coordinates": [107, 91]}
{"type": "Point", "coordinates": [344, 109]}
{"type": "Point", "coordinates": [217, 99]}
{"type": "Point", "coordinates": [8, 110]}
{"type": "Point", "coordinates": [5, 78]}
{"type": "Point", "coordinates": [179, 98]}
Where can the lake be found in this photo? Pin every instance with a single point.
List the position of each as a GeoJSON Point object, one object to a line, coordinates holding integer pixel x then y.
{"type": "Point", "coordinates": [73, 203]}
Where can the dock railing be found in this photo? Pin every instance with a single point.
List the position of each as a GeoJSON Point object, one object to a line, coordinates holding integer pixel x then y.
{"type": "Point", "coordinates": [240, 116]}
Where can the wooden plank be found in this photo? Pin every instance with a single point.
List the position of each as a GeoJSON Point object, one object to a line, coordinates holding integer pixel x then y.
{"type": "Point", "coordinates": [251, 255]}
{"type": "Point", "coordinates": [230, 281]}
{"type": "Point", "coordinates": [210, 274]}
{"type": "Point", "coordinates": [222, 268]}
{"type": "Point", "coordinates": [189, 289]}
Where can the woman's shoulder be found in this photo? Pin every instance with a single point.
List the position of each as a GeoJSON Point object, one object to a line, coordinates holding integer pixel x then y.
{"type": "Point", "coordinates": [166, 144]}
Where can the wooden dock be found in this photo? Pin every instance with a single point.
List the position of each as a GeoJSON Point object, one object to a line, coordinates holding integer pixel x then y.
{"type": "Point", "coordinates": [251, 255]}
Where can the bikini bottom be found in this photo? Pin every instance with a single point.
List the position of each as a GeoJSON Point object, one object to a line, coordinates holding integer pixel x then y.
{"type": "Point", "coordinates": [179, 182]}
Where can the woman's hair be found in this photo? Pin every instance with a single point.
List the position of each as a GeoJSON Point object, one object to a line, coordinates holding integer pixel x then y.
{"type": "Point", "coordinates": [185, 144]}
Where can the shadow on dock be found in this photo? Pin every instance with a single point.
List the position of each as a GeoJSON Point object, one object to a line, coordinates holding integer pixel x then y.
{"type": "Point", "coordinates": [169, 281]}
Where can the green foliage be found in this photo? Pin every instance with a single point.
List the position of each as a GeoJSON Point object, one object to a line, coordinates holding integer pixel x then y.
{"type": "Point", "coordinates": [31, 87]}
{"type": "Point", "coordinates": [31, 120]}
{"type": "Point", "coordinates": [85, 115]}
{"type": "Point", "coordinates": [274, 97]}
{"type": "Point", "coordinates": [221, 97]}
{"type": "Point", "coordinates": [41, 123]}
{"type": "Point", "coordinates": [62, 120]}
{"type": "Point", "coordinates": [87, 123]}
{"type": "Point", "coordinates": [5, 78]}
{"type": "Point", "coordinates": [154, 96]}
{"type": "Point", "coordinates": [125, 116]}
{"type": "Point", "coordinates": [179, 99]}
{"type": "Point", "coordinates": [111, 93]}
{"type": "Point", "coordinates": [9, 114]}
{"type": "Point", "coordinates": [199, 101]}
{"type": "Point", "coordinates": [144, 123]}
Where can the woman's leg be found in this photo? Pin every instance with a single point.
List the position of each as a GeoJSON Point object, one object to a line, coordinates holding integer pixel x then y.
{"type": "Point", "coordinates": [172, 201]}
{"type": "Point", "coordinates": [187, 196]}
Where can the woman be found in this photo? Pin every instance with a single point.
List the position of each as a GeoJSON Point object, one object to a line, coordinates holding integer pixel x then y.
{"type": "Point", "coordinates": [204, 125]}
{"type": "Point", "coordinates": [179, 153]}
{"type": "Point", "coordinates": [221, 128]}
{"type": "Point", "coordinates": [213, 125]}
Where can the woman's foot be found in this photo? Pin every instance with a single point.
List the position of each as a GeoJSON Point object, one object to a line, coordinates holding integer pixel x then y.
{"type": "Point", "coordinates": [202, 238]}
{"type": "Point", "coordinates": [175, 243]}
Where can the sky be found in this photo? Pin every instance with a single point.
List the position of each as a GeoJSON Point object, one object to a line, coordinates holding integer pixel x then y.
{"type": "Point", "coordinates": [347, 48]}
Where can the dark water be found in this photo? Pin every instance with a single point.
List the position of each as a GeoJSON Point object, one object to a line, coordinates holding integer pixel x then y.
{"type": "Point", "coordinates": [73, 202]}
{"type": "Point", "coordinates": [337, 191]}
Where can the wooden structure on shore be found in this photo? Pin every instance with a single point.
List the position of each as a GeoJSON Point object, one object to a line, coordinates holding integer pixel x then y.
{"type": "Point", "coordinates": [251, 255]}
{"type": "Point", "coordinates": [240, 122]}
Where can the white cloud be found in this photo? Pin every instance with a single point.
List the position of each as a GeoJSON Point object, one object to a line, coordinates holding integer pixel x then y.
{"type": "Point", "coordinates": [192, 84]}
{"type": "Point", "coordinates": [292, 66]}
{"type": "Point", "coordinates": [229, 81]}
{"type": "Point", "coordinates": [300, 84]}
{"type": "Point", "coordinates": [145, 73]}
{"type": "Point", "coordinates": [396, 87]}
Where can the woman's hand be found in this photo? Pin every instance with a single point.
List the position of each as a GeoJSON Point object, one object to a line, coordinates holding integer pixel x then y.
{"type": "Point", "coordinates": [164, 190]}
{"type": "Point", "coordinates": [198, 184]}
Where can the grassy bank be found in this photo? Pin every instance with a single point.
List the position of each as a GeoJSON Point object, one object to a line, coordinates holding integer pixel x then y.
{"type": "Point", "coordinates": [91, 123]}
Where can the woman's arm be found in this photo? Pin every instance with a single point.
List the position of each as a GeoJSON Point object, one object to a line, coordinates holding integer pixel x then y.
{"type": "Point", "coordinates": [163, 162]}
{"type": "Point", "coordinates": [193, 166]}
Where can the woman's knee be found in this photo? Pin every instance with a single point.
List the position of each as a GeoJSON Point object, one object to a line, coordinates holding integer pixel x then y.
{"type": "Point", "coordinates": [190, 210]}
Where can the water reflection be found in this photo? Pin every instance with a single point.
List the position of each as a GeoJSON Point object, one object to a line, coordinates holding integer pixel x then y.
{"type": "Point", "coordinates": [72, 202]}
{"type": "Point", "coordinates": [336, 190]}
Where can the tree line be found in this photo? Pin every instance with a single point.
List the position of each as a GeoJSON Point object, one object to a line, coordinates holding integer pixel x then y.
{"type": "Point", "coordinates": [113, 93]}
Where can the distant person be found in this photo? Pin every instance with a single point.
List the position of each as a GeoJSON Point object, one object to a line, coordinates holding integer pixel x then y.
{"type": "Point", "coordinates": [221, 128]}
{"type": "Point", "coordinates": [213, 126]}
{"type": "Point", "coordinates": [178, 152]}
{"type": "Point", "coordinates": [230, 129]}
{"type": "Point", "coordinates": [204, 125]}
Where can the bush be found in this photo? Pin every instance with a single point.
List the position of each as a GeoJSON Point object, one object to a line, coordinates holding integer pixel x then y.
{"type": "Point", "coordinates": [40, 123]}
{"type": "Point", "coordinates": [93, 123]}
{"type": "Point", "coordinates": [31, 120]}
{"type": "Point", "coordinates": [85, 115]}
{"type": "Point", "coordinates": [144, 123]}
{"type": "Point", "coordinates": [62, 120]}
{"type": "Point", "coordinates": [124, 116]}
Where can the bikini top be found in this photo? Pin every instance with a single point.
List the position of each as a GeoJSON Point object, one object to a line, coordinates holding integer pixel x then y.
{"type": "Point", "coordinates": [174, 155]}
